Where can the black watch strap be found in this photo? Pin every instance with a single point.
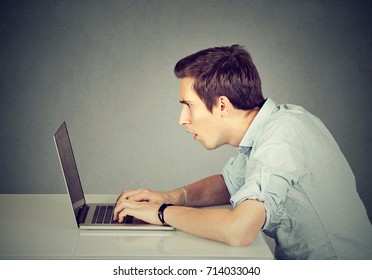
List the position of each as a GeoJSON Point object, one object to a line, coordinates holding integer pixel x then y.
{"type": "Point", "coordinates": [161, 212]}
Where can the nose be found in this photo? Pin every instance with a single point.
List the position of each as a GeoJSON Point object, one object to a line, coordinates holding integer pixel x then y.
{"type": "Point", "coordinates": [184, 116]}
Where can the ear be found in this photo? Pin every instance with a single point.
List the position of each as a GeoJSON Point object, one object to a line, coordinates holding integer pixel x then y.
{"type": "Point", "coordinates": [224, 106]}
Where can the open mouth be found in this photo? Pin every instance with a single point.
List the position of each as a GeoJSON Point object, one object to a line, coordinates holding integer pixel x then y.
{"type": "Point", "coordinates": [195, 134]}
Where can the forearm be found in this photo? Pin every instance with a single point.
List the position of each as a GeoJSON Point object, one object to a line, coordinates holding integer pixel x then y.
{"type": "Point", "coordinates": [237, 227]}
{"type": "Point", "coordinates": [206, 192]}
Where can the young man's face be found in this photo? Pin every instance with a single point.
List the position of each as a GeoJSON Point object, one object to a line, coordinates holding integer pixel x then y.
{"type": "Point", "coordinates": [205, 126]}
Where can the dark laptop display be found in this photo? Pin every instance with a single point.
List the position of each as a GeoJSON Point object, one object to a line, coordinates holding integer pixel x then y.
{"type": "Point", "coordinates": [69, 167]}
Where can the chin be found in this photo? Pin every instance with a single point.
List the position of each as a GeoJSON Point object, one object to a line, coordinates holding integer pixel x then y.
{"type": "Point", "coordinates": [210, 147]}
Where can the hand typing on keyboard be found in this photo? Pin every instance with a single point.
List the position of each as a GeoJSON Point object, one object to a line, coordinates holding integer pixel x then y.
{"type": "Point", "coordinates": [152, 196]}
{"type": "Point", "coordinates": [143, 210]}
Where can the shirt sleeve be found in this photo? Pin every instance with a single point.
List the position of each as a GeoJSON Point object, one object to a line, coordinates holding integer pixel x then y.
{"type": "Point", "coordinates": [276, 163]}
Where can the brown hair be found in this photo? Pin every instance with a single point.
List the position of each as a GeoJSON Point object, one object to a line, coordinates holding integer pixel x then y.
{"type": "Point", "coordinates": [223, 71]}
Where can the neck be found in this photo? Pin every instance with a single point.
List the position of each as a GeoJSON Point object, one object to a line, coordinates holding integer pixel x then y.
{"type": "Point", "coordinates": [240, 124]}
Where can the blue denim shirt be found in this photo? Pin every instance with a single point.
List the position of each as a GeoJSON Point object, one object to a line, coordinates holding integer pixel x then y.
{"type": "Point", "coordinates": [290, 161]}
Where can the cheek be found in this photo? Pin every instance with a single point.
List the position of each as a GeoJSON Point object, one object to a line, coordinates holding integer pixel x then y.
{"type": "Point", "coordinates": [202, 119]}
{"type": "Point", "coordinates": [206, 125]}
{"type": "Point", "coordinates": [199, 119]}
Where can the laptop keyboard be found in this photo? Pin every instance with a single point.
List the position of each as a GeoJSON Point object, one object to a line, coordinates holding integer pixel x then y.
{"type": "Point", "coordinates": [105, 214]}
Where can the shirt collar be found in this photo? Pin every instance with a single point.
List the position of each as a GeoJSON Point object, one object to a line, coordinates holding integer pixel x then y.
{"type": "Point", "coordinates": [266, 110]}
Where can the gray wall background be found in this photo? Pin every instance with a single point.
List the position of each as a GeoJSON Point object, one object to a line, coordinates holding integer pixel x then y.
{"type": "Point", "coordinates": [105, 67]}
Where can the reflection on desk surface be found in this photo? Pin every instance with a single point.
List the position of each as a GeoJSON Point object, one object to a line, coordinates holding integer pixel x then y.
{"type": "Point", "coordinates": [175, 244]}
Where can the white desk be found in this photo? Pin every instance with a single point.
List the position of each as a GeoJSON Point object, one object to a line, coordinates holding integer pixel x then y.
{"type": "Point", "coordinates": [42, 227]}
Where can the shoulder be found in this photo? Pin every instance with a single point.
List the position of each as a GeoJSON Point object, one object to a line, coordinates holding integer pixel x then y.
{"type": "Point", "coordinates": [289, 120]}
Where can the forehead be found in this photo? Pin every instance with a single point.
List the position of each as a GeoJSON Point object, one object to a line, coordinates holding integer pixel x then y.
{"type": "Point", "coordinates": [187, 92]}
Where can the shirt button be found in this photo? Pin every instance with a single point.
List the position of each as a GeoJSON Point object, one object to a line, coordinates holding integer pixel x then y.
{"type": "Point", "coordinates": [281, 212]}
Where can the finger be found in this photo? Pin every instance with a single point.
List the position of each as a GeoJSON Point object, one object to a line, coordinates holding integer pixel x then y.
{"type": "Point", "coordinates": [143, 195]}
{"type": "Point", "coordinates": [122, 215]}
{"type": "Point", "coordinates": [122, 195]}
{"type": "Point", "coordinates": [127, 195]}
{"type": "Point", "coordinates": [122, 209]}
{"type": "Point", "coordinates": [119, 207]}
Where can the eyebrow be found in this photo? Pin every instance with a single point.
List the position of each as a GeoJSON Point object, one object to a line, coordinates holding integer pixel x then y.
{"type": "Point", "coordinates": [185, 102]}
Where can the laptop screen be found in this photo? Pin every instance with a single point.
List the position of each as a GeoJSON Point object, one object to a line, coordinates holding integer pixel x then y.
{"type": "Point", "coordinates": [69, 168]}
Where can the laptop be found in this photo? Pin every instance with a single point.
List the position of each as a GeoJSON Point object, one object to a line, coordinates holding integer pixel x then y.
{"type": "Point", "coordinates": [90, 216]}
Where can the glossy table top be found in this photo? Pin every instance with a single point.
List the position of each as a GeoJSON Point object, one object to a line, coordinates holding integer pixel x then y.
{"type": "Point", "coordinates": [42, 226]}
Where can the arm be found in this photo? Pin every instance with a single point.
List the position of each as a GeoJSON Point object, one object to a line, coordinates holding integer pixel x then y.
{"type": "Point", "coordinates": [237, 227]}
{"type": "Point", "coordinates": [206, 192]}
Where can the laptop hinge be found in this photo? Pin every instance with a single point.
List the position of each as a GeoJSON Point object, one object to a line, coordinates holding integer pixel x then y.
{"type": "Point", "coordinates": [82, 214]}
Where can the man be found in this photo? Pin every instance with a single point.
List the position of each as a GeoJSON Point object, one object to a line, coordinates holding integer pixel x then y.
{"type": "Point", "coordinates": [289, 179]}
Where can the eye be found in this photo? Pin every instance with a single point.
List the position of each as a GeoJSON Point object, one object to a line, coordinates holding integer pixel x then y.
{"type": "Point", "coordinates": [186, 103]}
